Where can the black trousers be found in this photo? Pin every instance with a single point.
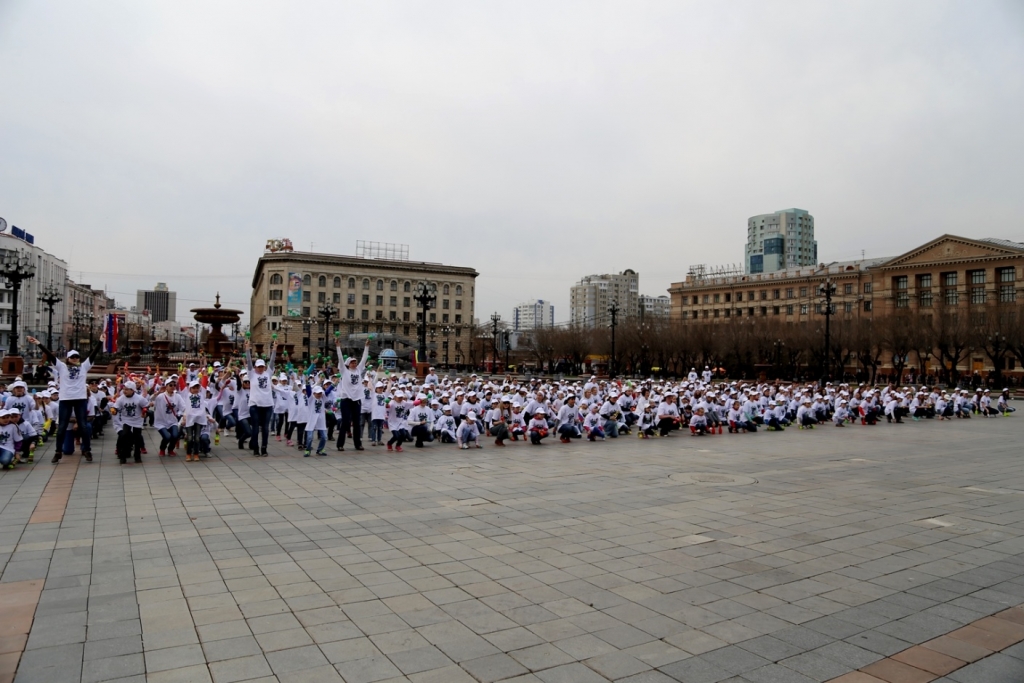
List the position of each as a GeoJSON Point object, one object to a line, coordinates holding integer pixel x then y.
{"type": "Point", "coordinates": [351, 412]}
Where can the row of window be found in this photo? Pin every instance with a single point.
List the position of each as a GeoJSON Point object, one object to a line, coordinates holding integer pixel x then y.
{"type": "Point", "coordinates": [788, 309]}
{"type": "Point", "coordinates": [278, 295]}
{"type": "Point", "coordinates": [951, 279]}
{"type": "Point", "coordinates": [977, 295]}
{"type": "Point", "coordinates": [307, 281]}
{"type": "Point", "coordinates": [790, 293]}
{"type": "Point", "coordinates": [350, 314]}
{"type": "Point", "coordinates": [351, 328]}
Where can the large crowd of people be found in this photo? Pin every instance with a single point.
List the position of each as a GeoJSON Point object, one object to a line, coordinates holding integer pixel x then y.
{"type": "Point", "coordinates": [248, 401]}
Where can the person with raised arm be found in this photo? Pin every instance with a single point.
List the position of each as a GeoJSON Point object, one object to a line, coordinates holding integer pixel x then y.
{"type": "Point", "coordinates": [74, 396]}
{"type": "Point", "coordinates": [350, 391]}
{"type": "Point", "coordinates": [261, 397]}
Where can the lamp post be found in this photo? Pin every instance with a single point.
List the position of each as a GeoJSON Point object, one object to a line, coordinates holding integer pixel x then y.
{"type": "Point", "coordinates": [50, 297]}
{"type": "Point", "coordinates": [15, 267]}
{"type": "Point", "coordinates": [613, 309]}
{"type": "Point", "coordinates": [327, 312]}
{"type": "Point", "coordinates": [90, 318]}
{"type": "Point", "coordinates": [446, 331]}
{"type": "Point", "coordinates": [426, 296]}
{"type": "Point", "coordinates": [495, 319]}
{"type": "Point", "coordinates": [307, 327]}
{"type": "Point", "coordinates": [826, 290]}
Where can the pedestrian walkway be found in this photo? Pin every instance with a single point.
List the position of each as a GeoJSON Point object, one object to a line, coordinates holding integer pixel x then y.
{"type": "Point", "coordinates": [894, 553]}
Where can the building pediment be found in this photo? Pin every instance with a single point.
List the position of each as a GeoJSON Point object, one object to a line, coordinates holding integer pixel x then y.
{"type": "Point", "coordinates": [952, 248]}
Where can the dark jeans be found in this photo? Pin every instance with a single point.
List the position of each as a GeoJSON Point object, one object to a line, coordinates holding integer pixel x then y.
{"type": "Point", "coordinates": [421, 433]}
{"type": "Point", "coordinates": [260, 416]}
{"type": "Point", "coordinates": [65, 409]}
{"type": "Point", "coordinates": [351, 412]}
{"type": "Point", "coordinates": [129, 439]}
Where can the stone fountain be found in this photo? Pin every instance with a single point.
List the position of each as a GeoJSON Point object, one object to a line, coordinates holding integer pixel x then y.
{"type": "Point", "coordinates": [217, 343]}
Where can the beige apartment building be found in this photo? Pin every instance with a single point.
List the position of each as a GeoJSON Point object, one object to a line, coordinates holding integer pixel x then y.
{"type": "Point", "coordinates": [290, 289]}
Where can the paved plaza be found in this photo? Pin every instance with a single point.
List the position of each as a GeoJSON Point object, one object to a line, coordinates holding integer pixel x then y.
{"type": "Point", "coordinates": [796, 556]}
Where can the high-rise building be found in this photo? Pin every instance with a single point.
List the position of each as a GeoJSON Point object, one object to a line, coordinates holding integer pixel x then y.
{"type": "Point", "coordinates": [591, 298]}
{"type": "Point", "coordinates": [655, 306]}
{"type": "Point", "coordinates": [160, 302]}
{"type": "Point", "coordinates": [532, 314]}
{"type": "Point", "coordinates": [780, 240]}
{"type": "Point", "coordinates": [33, 315]}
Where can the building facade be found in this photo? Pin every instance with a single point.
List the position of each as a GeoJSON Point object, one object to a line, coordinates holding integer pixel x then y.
{"type": "Point", "coordinates": [160, 302]}
{"type": "Point", "coordinates": [656, 307]}
{"type": "Point", "coordinates": [974, 284]}
{"type": "Point", "coordinates": [368, 295]}
{"type": "Point", "coordinates": [33, 314]}
{"type": "Point", "coordinates": [86, 309]}
{"type": "Point", "coordinates": [533, 314]}
{"type": "Point", "coordinates": [591, 298]}
{"type": "Point", "coordinates": [779, 241]}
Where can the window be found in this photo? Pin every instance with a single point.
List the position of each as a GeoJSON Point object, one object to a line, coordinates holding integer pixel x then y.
{"type": "Point", "coordinates": [405, 316]}
{"type": "Point", "coordinates": [705, 312]}
{"type": "Point", "coordinates": [275, 294]}
{"type": "Point", "coordinates": [276, 279]}
{"type": "Point", "coordinates": [848, 306]}
{"type": "Point", "coordinates": [899, 283]}
{"type": "Point", "coordinates": [1006, 274]}
{"type": "Point", "coordinates": [393, 315]}
{"type": "Point", "coordinates": [322, 281]}
{"type": "Point", "coordinates": [433, 317]}
{"type": "Point", "coordinates": [715, 313]}
{"type": "Point", "coordinates": [380, 285]}
{"type": "Point", "coordinates": [350, 299]}
{"type": "Point", "coordinates": [458, 304]}
{"type": "Point", "coordinates": [739, 312]}
{"type": "Point", "coordinates": [926, 298]}
{"type": "Point", "coordinates": [728, 297]}
{"type": "Point", "coordinates": [924, 281]}
{"type": "Point", "coordinates": [394, 285]}
{"type": "Point", "coordinates": [976, 277]}
{"type": "Point", "coordinates": [803, 292]}
{"type": "Point", "coordinates": [445, 304]}
{"type": "Point", "coordinates": [321, 297]}
{"type": "Point", "coordinates": [978, 294]}
{"type": "Point", "coordinates": [867, 287]}
{"type": "Point", "coordinates": [366, 283]}
{"type": "Point", "coordinates": [407, 287]}
{"type": "Point", "coordinates": [306, 295]}
{"type": "Point", "coordinates": [707, 298]}
{"type": "Point", "coordinates": [789, 292]}
{"type": "Point", "coordinates": [803, 309]}
{"type": "Point", "coordinates": [458, 290]}
{"type": "Point", "coordinates": [458, 319]}
{"type": "Point", "coordinates": [305, 311]}
{"type": "Point", "coordinates": [694, 300]}
{"type": "Point", "coordinates": [718, 298]}
{"type": "Point", "coordinates": [393, 301]}
{"type": "Point", "coordinates": [789, 309]}
{"type": "Point", "coordinates": [728, 312]}
{"type": "Point", "coordinates": [775, 310]}
{"type": "Point", "coordinates": [447, 290]}
{"type": "Point", "coordinates": [750, 311]}
{"type": "Point", "coordinates": [949, 280]}
{"type": "Point", "coordinates": [867, 306]}
{"type": "Point", "coordinates": [750, 296]}
{"type": "Point", "coordinates": [366, 300]}
{"type": "Point", "coordinates": [351, 283]}
{"type": "Point", "coordinates": [764, 295]}
{"type": "Point", "coordinates": [739, 296]}
{"type": "Point", "coordinates": [275, 310]}
{"type": "Point", "coordinates": [776, 294]}
{"type": "Point", "coordinates": [379, 300]}
{"type": "Point", "coordinates": [306, 280]}
{"type": "Point", "coordinates": [337, 282]}
{"type": "Point", "coordinates": [1007, 294]}
{"type": "Point", "coordinates": [405, 301]}
{"type": "Point", "coordinates": [350, 314]}
{"type": "Point", "coordinates": [764, 310]}
{"type": "Point", "coordinates": [444, 317]}
{"type": "Point", "coordinates": [902, 299]}
{"type": "Point", "coordinates": [952, 297]}
{"type": "Point", "coordinates": [848, 289]}
{"type": "Point", "coordinates": [380, 315]}
{"type": "Point", "coordinates": [364, 314]}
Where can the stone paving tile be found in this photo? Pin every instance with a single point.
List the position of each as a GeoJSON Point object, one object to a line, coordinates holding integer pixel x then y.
{"type": "Point", "coordinates": [590, 563]}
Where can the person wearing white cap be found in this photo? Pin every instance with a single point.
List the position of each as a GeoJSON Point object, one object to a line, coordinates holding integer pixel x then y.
{"type": "Point", "coordinates": [538, 426]}
{"type": "Point", "coordinates": [9, 440]}
{"type": "Point", "coordinates": [419, 421]}
{"type": "Point", "coordinates": [197, 416]}
{"type": "Point", "coordinates": [261, 398]}
{"type": "Point", "coordinates": [71, 375]}
{"type": "Point", "coordinates": [469, 431]}
{"type": "Point", "coordinates": [445, 426]}
{"type": "Point", "coordinates": [168, 407]}
{"type": "Point", "coordinates": [431, 379]}
{"type": "Point", "coordinates": [397, 412]}
{"type": "Point", "coordinates": [350, 391]}
{"type": "Point", "coordinates": [130, 406]}
{"type": "Point", "coordinates": [316, 421]}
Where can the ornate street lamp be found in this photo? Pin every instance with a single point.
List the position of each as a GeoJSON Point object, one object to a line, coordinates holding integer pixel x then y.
{"type": "Point", "coordinates": [426, 296]}
{"type": "Point", "coordinates": [15, 267]}
{"type": "Point", "coordinates": [50, 296]}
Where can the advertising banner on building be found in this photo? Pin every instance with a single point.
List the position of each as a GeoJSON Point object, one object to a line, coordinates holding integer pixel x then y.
{"type": "Point", "coordinates": [294, 294]}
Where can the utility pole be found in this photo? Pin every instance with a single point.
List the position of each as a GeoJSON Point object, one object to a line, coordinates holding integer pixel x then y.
{"type": "Point", "coordinates": [614, 310]}
{"type": "Point", "coordinates": [495, 319]}
{"type": "Point", "coordinates": [50, 297]}
{"type": "Point", "coordinates": [826, 289]}
{"type": "Point", "coordinates": [508, 344]}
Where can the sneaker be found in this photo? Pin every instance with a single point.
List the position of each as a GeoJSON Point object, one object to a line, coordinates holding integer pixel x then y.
{"type": "Point", "coordinates": [360, 448]}
{"type": "Point", "coordinates": [305, 454]}
{"type": "Point", "coordinates": [389, 448]}
{"type": "Point", "coordinates": [289, 442]}
{"type": "Point", "coordinates": [463, 447]}
{"type": "Point", "coordinates": [55, 460]}
{"type": "Point", "coordinates": [162, 453]}
{"type": "Point", "coordinates": [263, 453]}
{"type": "Point", "coordinates": [144, 452]}
{"type": "Point", "coordinates": [321, 453]}
{"type": "Point", "coordinates": [88, 457]}
{"type": "Point", "coordinates": [398, 449]}
{"type": "Point", "coordinates": [279, 438]}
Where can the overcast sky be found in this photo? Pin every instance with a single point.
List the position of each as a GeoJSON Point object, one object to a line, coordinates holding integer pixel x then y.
{"type": "Point", "coordinates": [534, 141]}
